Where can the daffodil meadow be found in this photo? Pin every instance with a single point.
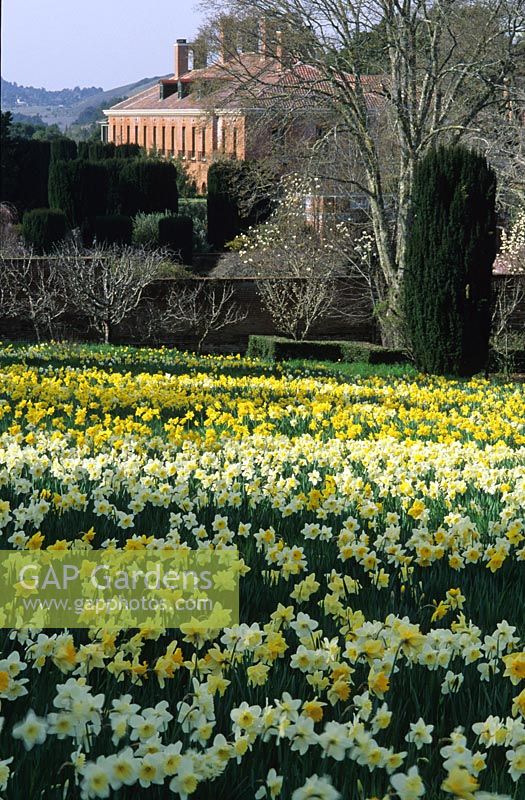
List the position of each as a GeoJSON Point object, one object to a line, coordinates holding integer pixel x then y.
{"type": "Point", "coordinates": [380, 529]}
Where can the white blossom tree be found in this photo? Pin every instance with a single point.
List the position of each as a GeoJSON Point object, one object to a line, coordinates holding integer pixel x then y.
{"type": "Point", "coordinates": [443, 63]}
{"type": "Point", "coordinates": [309, 268]}
{"type": "Point", "coordinates": [509, 295]}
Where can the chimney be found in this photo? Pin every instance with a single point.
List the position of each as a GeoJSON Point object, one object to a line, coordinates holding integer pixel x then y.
{"type": "Point", "coordinates": [279, 47]}
{"type": "Point", "coordinates": [222, 45]}
{"type": "Point", "coordinates": [263, 43]}
{"type": "Point", "coordinates": [182, 58]}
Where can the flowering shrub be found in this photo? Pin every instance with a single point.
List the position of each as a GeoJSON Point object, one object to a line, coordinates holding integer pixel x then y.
{"type": "Point", "coordinates": [512, 252]}
{"type": "Point", "coordinates": [381, 543]}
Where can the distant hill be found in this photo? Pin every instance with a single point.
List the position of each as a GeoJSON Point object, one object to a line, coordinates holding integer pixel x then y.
{"type": "Point", "coordinates": [65, 107]}
{"type": "Point", "coordinates": [15, 96]}
{"type": "Point", "coordinates": [111, 96]}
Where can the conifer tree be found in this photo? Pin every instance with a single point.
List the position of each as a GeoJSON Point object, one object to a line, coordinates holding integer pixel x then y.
{"type": "Point", "coordinates": [451, 249]}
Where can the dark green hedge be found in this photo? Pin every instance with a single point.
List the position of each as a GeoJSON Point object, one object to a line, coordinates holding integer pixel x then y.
{"type": "Point", "coordinates": [98, 151]}
{"type": "Point", "coordinates": [128, 151]}
{"type": "Point", "coordinates": [113, 229]}
{"type": "Point", "coordinates": [79, 188]}
{"type": "Point", "coordinates": [63, 149]}
{"type": "Point", "coordinates": [148, 186]}
{"type": "Point", "coordinates": [42, 228]}
{"type": "Point", "coordinates": [226, 219]}
{"type": "Point", "coordinates": [276, 348]}
{"type": "Point", "coordinates": [176, 234]}
{"type": "Point", "coordinates": [450, 251]}
{"type": "Point", "coordinates": [25, 171]}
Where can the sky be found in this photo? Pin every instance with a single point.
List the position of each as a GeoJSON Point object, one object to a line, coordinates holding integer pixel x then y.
{"type": "Point", "coordinates": [59, 44]}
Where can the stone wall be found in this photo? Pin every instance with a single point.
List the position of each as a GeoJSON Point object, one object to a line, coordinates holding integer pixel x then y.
{"type": "Point", "coordinates": [141, 327]}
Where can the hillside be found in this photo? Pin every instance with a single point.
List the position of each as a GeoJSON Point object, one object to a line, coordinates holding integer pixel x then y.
{"type": "Point", "coordinates": [15, 96]}
{"type": "Point", "coordinates": [64, 107]}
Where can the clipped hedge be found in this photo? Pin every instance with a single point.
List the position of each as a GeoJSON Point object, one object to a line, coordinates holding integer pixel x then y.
{"type": "Point", "coordinates": [113, 229]}
{"type": "Point", "coordinates": [63, 149]}
{"type": "Point", "coordinates": [276, 348]}
{"type": "Point", "coordinates": [451, 246]}
{"type": "Point", "coordinates": [79, 188]}
{"type": "Point", "coordinates": [148, 186]}
{"type": "Point", "coordinates": [98, 151]}
{"type": "Point", "coordinates": [25, 172]}
{"type": "Point", "coordinates": [176, 234]}
{"type": "Point", "coordinates": [42, 228]}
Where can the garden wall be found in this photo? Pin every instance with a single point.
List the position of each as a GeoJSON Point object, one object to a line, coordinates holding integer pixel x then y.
{"type": "Point", "coordinates": [141, 327]}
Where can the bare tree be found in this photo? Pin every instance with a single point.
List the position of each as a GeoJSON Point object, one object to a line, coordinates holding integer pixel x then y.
{"type": "Point", "coordinates": [10, 240]}
{"type": "Point", "coordinates": [296, 304]}
{"type": "Point", "coordinates": [202, 307]}
{"type": "Point", "coordinates": [32, 289]}
{"type": "Point", "coordinates": [106, 284]}
{"type": "Point", "coordinates": [446, 61]}
{"type": "Point", "coordinates": [509, 295]}
{"type": "Point", "coordinates": [499, 133]}
{"type": "Point", "coordinates": [308, 265]}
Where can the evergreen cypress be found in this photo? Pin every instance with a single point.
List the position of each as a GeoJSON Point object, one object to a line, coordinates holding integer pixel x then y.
{"type": "Point", "coordinates": [113, 229]}
{"type": "Point", "coordinates": [176, 234]}
{"type": "Point", "coordinates": [97, 151]}
{"type": "Point", "coordinates": [79, 188]}
{"type": "Point", "coordinates": [63, 149]}
{"type": "Point", "coordinates": [227, 181]}
{"type": "Point", "coordinates": [25, 170]}
{"type": "Point", "coordinates": [224, 218]}
{"type": "Point", "coordinates": [149, 186]}
{"type": "Point", "coordinates": [450, 251]}
{"type": "Point", "coordinates": [42, 228]}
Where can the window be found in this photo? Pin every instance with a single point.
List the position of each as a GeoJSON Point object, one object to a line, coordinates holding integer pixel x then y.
{"type": "Point", "coordinates": [173, 139]}
{"type": "Point", "coordinates": [127, 135]}
{"type": "Point", "coordinates": [203, 142]}
{"type": "Point", "coordinates": [163, 139]}
{"type": "Point", "coordinates": [193, 141]}
{"type": "Point", "coordinates": [183, 139]}
{"type": "Point", "coordinates": [145, 136]}
{"type": "Point", "coordinates": [114, 139]}
{"type": "Point", "coordinates": [154, 137]}
{"type": "Point", "coordinates": [223, 138]}
{"type": "Point", "coordinates": [136, 134]}
{"type": "Point", "coordinates": [121, 140]}
{"type": "Point", "coordinates": [235, 141]}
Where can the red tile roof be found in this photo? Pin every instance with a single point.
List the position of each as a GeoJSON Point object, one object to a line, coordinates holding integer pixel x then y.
{"type": "Point", "coordinates": [251, 80]}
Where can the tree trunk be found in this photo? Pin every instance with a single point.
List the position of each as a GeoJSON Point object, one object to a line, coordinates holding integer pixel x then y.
{"type": "Point", "coordinates": [391, 319]}
{"type": "Point", "coordinates": [389, 310]}
{"type": "Point", "coordinates": [106, 331]}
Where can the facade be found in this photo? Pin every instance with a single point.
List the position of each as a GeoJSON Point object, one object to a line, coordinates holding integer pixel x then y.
{"type": "Point", "coordinates": [235, 108]}
{"type": "Point", "coordinates": [195, 115]}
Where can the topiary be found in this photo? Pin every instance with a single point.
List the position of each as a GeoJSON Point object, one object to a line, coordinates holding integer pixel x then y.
{"type": "Point", "coordinates": [113, 229]}
{"type": "Point", "coordinates": [43, 228]}
{"type": "Point", "coordinates": [450, 251]}
{"type": "Point", "coordinates": [149, 186]}
{"type": "Point", "coordinates": [176, 234]}
{"type": "Point", "coordinates": [79, 188]}
{"type": "Point", "coordinates": [63, 149]}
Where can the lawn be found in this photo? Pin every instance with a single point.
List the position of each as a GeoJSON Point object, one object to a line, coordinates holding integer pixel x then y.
{"type": "Point", "coordinates": [379, 523]}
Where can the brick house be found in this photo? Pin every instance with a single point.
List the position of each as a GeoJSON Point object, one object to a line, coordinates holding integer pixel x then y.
{"type": "Point", "coordinates": [196, 115]}
{"type": "Point", "coordinates": [202, 114]}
